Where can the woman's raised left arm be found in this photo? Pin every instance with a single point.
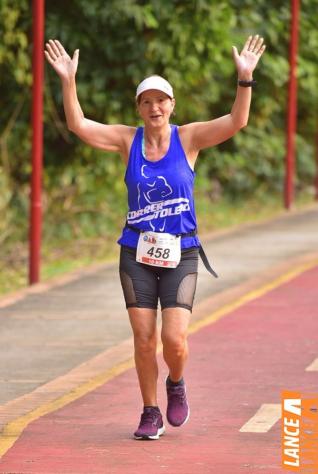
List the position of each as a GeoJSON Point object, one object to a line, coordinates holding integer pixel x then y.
{"type": "Point", "coordinates": [199, 135]}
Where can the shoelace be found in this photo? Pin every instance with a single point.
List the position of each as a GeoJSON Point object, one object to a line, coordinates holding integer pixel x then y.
{"type": "Point", "coordinates": [177, 393]}
{"type": "Point", "coordinates": [148, 417]}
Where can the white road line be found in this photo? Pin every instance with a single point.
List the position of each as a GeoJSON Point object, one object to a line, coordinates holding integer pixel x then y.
{"type": "Point", "coordinates": [313, 366]}
{"type": "Point", "coordinates": [265, 417]}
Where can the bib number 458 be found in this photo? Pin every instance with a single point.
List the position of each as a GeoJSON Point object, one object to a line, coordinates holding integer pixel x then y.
{"type": "Point", "coordinates": [158, 252]}
{"type": "Point", "coordinates": [159, 249]}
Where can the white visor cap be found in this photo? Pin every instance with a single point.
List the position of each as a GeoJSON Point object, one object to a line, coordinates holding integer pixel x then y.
{"type": "Point", "coordinates": [155, 82]}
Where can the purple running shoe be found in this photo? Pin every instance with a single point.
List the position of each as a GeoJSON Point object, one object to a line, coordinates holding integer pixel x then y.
{"type": "Point", "coordinates": [178, 410]}
{"type": "Point", "coordinates": [151, 425]}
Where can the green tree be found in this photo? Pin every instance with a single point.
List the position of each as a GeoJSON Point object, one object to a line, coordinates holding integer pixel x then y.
{"type": "Point", "coordinates": [120, 42]}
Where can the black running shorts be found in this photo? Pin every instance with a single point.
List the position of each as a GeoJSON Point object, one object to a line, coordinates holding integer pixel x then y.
{"type": "Point", "coordinates": [143, 284]}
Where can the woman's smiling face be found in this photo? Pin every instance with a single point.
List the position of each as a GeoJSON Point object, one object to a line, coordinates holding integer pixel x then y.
{"type": "Point", "coordinates": [155, 107]}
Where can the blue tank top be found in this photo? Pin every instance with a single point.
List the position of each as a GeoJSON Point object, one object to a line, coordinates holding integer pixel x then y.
{"type": "Point", "coordinates": [160, 193]}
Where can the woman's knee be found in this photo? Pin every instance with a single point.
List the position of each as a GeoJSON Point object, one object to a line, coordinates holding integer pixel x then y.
{"type": "Point", "coordinates": [174, 342]}
{"type": "Point", "coordinates": [143, 323]}
{"type": "Point", "coordinates": [145, 343]}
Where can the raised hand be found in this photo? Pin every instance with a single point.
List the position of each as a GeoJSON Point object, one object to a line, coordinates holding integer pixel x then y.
{"type": "Point", "coordinates": [246, 61]}
{"type": "Point", "coordinates": [64, 65]}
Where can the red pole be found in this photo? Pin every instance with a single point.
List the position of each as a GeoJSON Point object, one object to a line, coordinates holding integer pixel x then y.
{"type": "Point", "coordinates": [292, 106]}
{"type": "Point", "coordinates": [37, 140]}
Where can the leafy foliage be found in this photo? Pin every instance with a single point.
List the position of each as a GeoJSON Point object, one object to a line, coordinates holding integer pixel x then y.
{"type": "Point", "coordinates": [120, 42]}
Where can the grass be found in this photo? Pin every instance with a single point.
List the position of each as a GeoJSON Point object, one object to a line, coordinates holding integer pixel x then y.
{"type": "Point", "coordinates": [229, 213]}
{"type": "Point", "coordinates": [60, 257]}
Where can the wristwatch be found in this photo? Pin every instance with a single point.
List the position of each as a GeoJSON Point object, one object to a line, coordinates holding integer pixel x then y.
{"type": "Point", "coordinates": [251, 83]}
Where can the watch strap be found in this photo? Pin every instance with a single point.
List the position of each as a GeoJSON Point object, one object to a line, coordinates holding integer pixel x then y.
{"type": "Point", "coordinates": [251, 83]}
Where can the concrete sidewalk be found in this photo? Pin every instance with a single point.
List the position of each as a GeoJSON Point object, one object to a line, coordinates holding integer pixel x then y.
{"type": "Point", "coordinates": [45, 335]}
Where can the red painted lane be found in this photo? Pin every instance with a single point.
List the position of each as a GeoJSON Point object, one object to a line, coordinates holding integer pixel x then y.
{"type": "Point", "coordinates": [236, 364]}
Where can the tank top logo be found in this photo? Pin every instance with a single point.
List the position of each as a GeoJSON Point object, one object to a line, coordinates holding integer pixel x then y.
{"type": "Point", "coordinates": [153, 203]}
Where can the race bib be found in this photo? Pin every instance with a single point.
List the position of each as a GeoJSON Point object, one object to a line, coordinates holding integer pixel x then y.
{"type": "Point", "coordinates": [159, 249]}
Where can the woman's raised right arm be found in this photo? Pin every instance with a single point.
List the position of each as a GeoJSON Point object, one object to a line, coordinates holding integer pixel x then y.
{"type": "Point", "coordinates": [108, 137]}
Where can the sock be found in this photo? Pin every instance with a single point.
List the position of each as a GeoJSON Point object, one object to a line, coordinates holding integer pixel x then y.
{"type": "Point", "coordinates": [152, 406]}
{"type": "Point", "coordinates": [170, 382]}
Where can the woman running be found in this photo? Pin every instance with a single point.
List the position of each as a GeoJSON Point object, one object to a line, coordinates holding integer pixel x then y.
{"type": "Point", "coordinates": [159, 243]}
